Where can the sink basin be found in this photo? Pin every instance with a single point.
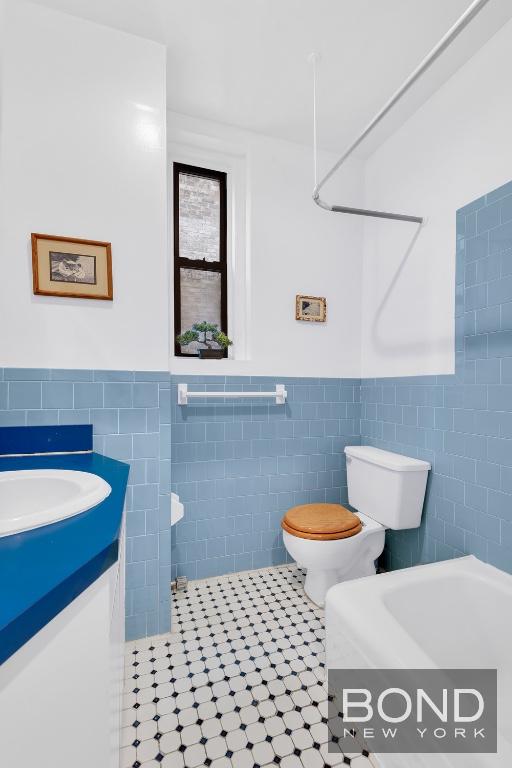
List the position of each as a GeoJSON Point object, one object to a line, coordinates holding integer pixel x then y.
{"type": "Point", "coordinates": [35, 497]}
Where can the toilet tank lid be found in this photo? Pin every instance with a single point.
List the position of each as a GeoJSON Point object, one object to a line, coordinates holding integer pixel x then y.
{"type": "Point", "coordinates": [387, 459]}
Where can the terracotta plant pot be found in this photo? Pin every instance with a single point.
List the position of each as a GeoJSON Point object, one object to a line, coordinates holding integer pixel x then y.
{"type": "Point", "coordinates": [211, 354]}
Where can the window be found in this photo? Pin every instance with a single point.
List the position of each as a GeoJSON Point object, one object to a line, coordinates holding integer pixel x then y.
{"type": "Point", "coordinates": [200, 260]}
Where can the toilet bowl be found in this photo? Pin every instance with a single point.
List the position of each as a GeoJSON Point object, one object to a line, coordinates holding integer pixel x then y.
{"type": "Point", "coordinates": [328, 562]}
{"type": "Point", "coordinates": [386, 489]}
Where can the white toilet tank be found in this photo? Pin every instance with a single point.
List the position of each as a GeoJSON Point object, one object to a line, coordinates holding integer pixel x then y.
{"type": "Point", "coordinates": [386, 486]}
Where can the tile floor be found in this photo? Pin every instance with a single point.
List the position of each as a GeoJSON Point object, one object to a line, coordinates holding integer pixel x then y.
{"type": "Point", "coordinates": [239, 683]}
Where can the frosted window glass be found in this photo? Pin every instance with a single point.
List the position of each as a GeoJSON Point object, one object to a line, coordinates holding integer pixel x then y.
{"type": "Point", "coordinates": [200, 300]}
{"type": "Point", "coordinates": [199, 217]}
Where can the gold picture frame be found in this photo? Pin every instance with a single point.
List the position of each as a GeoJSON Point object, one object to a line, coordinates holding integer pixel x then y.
{"type": "Point", "coordinates": [71, 267]}
{"type": "Point", "coordinates": [312, 309]}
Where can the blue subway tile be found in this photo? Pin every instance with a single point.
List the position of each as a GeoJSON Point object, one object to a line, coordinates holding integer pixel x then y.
{"type": "Point", "coordinates": [499, 504]}
{"type": "Point", "coordinates": [105, 421]}
{"type": "Point", "coordinates": [152, 520]}
{"type": "Point", "coordinates": [500, 238]}
{"type": "Point", "coordinates": [137, 472]}
{"type": "Point", "coordinates": [146, 446]}
{"type": "Point", "coordinates": [500, 398]}
{"type": "Point", "coordinates": [243, 562]}
{"type": "Point", "coordinates": [135, 523]}
{"type": "Point", "coordinates": [57, 394]}
{"type": "Point", "coordinates": [67, 374]}
{"type": "Point", "coordinates": [159, 376]}
{"type": "Point", "coordinates": [488, 474]}
{"type": "Point", "coordinates": [488, 371]}
{"type": "Point", "coordinates": [113, 376]}
{"type": "Point", "coordinates": [505, 366]}
{"type": "Point", "coordinates": [506, 208]}
{"type": "Point", "coordinates": [500, 344]}
{"type": "Point", "coordinates": [145, 497]}
{"type": "Point", "coordinates": [488, 217]}
{"type": "Point", "coordinates": [152, 470]}
{"type": "Point", "coordinates": [42, 418]}
{"type": "Point", "coordinates": [118, 395]}
{"type": "Point", "coordinates": [475, 347]}
{"type": "Point", "coordinates": [500, 291]}
{"type": "Point", "coordinates": [119, 447]}
{"type": "Point", "coordinates": [132, 420]}
{"type": "Point", "coordinates": [488, 527]}
{"type": "Point", "coordinates": [489, 268]}
{"type": "Point", "coordinates": [475, 447]}
{"type": "Point", "coordinates": [145, 599]}
{"type": "Point", "coordinates": [487, 320]}
{"type": "Point", "coordinates": [454, 537]}
{"type": "Point", "coordinates": [24, 394]}
{"type": "Point", "coordinates": [26, 374]}
{"type": "Point", "coordinates": [4, 389]}
{"type": "Point", "coordinates": [88, 395]}
{"type": "Point", "coordinates": [464, 469]}
{"type": "Point", "coordinates": [475, 397]}
{"type": "Point", "coordinates": [506, 479]}
{"type": "Point", "coordinates": [146, 395]}
{"type": "Point", "coordinates": [475, 545]}
{"type": "Point", "coordinates": [499, 450]}
{"type": "Point", "coordinates": [488, 423]}
{"type": "Point", "coordinates": [144, 548]}
{"type": "Point", "coordinates": [135, 627]}
{"type": "Point", "coordinates": [74, 416]}
{"type": "Point", "coordinates": [216, 547]}
{"type": "Point", "coordinates": [475, 497]}
{"type": "Point", "coordinates": [135, 575]}
{"type": "Point", "coordinates": [444, 418]}
{"type": "Point", "coordinates": [500, 556]}
{"type": "Point", "coordinates": [476, 247]}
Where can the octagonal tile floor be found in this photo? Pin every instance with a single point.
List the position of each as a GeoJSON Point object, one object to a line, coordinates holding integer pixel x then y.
{"type": "Point", "coordinates": [239, 683]}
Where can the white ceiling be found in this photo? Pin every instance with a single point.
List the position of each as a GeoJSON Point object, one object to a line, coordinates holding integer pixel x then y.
{"type": "Point", "coordinates": [243, 62]}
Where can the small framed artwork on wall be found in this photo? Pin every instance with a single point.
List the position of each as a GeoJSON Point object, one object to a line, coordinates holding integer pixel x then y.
{"type": "Point", "coordinates": [311, 308]}
{"type": "Point", "coordinates": [71, 267]}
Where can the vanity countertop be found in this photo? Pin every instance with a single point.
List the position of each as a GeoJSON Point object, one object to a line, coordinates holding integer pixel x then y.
{"type": "Point", "coordinates": [45, 569]}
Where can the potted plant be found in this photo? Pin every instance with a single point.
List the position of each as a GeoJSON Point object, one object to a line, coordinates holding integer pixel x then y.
{"type": "Point", "coordinates": [214, 340]}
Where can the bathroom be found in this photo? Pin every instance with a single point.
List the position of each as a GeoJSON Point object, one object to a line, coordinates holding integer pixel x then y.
{"type": "Point", "coordinates": [194, 534]}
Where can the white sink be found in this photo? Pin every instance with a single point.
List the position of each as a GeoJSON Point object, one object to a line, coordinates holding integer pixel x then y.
{"type": "Point", "coordinates": [35, 497]}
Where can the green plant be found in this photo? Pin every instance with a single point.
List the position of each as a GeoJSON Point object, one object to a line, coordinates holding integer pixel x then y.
{"type": "Point", "coordinates": [212, 337]}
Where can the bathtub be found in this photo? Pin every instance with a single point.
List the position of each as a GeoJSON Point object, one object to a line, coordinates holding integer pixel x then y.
{"type": "Point", "coordinates": [452, 614]}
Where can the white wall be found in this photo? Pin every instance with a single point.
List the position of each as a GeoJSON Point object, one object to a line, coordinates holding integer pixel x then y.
{"type": "Point", "coordinates": [284, 245]}
{"type": "Point", "coordinates": [455, 148]}
{"type": "Point", "coordinates": [82, 153]}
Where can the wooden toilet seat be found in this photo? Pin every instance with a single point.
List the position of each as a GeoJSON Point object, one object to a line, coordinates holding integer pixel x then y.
{"type": "Point", "coordinates": [321, 522]}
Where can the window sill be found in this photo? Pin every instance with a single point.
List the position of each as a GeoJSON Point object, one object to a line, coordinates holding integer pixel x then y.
{"type": "Point", "coordinates": [192, 366]}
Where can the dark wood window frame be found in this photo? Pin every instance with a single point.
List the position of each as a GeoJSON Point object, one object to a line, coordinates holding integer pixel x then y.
{"type": "Point", "coordinates": [199, 264]}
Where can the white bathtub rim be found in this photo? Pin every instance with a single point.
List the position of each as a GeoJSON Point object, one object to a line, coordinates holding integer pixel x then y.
{"type": "Point", "coordinates": [356, 614]}
{"type": "Point", "coordinates": [360, 608]}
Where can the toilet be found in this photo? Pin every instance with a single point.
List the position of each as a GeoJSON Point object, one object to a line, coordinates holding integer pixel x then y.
{"type": "Point", "coordinates": [332, 543]}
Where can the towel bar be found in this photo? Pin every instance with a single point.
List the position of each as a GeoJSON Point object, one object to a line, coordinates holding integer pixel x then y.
{"type": "Point", "coordinates": [184, 394]}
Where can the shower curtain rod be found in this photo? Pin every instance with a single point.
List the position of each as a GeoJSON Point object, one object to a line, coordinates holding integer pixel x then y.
{"type": "Point", "coordinates": [441, 46]}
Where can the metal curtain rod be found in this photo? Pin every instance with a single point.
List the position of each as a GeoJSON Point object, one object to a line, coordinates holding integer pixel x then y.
{"type": "Point", "coordinates": [441, 46]}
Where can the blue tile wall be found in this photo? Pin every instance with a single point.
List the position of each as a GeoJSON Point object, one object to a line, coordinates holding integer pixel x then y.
{"type": "Point", "coordinates": [461, 423]}
{"type": "Point", "coordinates": [129, 411]}
{"type": "Point", "coordinates": [237, 465]}
{"type": "Point", "coordinates": [240, 464]}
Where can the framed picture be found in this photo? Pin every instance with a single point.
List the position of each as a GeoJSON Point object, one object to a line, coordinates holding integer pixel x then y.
{"type": "Point", "coordinates": [68, 266]}
{"type": "Point", "coordinates": [311, 308]}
